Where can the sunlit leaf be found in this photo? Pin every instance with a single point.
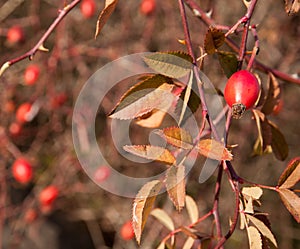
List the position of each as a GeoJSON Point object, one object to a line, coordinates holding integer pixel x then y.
{"type": "Point", "coordinates": [263, 229]}
{"type": "Point", "coordinates": [163, 218]}
{"type": "Point", "coordinates": [161, 245]}
{"type": "Point", "coordinates": [178, 137]}
{"type": "Point", "coordinates": [175, 183]}
{"type": "Point", "coordinates": [279, 145]}
{"type": "Point", "coordinates": [273, 96]}
{"type": "Point", "coordinates": [192, 209]}
{"type": "Point", "coordinates": [152, 93]}
{"type": "Point", "coordinates": [291, 202]}
{"type": "Point", "coordinates": [109, 8]}
{"type": "Point", "coordinates": [214, 150]}
{"type": "Point", "coordinates": [228, 62]}
{"type": "Point", "coordinates": [254, 192]}
{"type": "Point", "coordinates": [188, 244]}
{"type": "Point", "coordinates": [151, 152]}
{"type": "Point", "coordinates": [255, 241]}
{"type": "Point", "coordinates": [152, 119]}
{"type": "Point", "coordinates": [291, 175]}
{"type": "Point", "coordinates": [171, 64]}
{"type": "Point", "coordinates": [214, 39]}
{"type": "Point", "coordinates": [142, 206]}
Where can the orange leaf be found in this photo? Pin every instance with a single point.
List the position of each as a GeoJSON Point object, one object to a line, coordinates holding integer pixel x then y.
{"type": "Point", "coordinates": [152, 119]}
{"type": "Point", "coordinates": [109, 8]}
{"type": "Point", "coordinates": [175, 183]}
{"type": "Point", "coordinates": [214, 150]}
{"type": "Point", "coordinates": [151, 152]}
{"type": "Point", "coordinates": [178, 137]}
{"type": "Point", "coordinates": [291, 202]}
{"type": "Point", "coordinates": [291, 175]}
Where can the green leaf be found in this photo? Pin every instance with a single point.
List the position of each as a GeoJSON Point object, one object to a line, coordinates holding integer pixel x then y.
{"type": "Point", "coordinates": [228, 62]}
{"type": "Point", "coordinates": [214, 39]}
{"type": "Point", "coordinates": [291, 201]}
{"type": "Point", "coordinates": [152, 93]}
{"type": "Point", "coordinates": [273, 96]}
{"type": "Point", "coordinates": [163, 218]}
{"type": "Point", "coordinates": [192, 209]}
{"type": "Point", "coordinates": [142, 206]}
{"type": "Point", "coordinates": [279, 145]}
{"type": "Point", "coordinates": [151, 152]}
{"type": "Point", "coordinates": [175, 183]}
{"type": "Point", "coordinates": [291, 175]}
{"type": "Point", "coordinates": [109, 8]}
{"type": "Point", "coordinates": [263, 229]}
{"type": "Point", "coordinates": [171, 64]}
{"type": "Point", "coordinates": [177, 136]}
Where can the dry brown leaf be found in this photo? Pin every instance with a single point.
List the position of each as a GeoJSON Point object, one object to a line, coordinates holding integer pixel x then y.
{"type": "Point", "coordinates": [291, 202]}
{"type": "Point", "coordinates": [214, 150]}
{"type": "Point", "coordinates": [291, 175]}
{"type": "Point", "coordinates": [178, 137]}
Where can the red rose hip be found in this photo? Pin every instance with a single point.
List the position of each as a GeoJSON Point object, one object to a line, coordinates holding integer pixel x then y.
{"type": "Point", "coordinates": [126, 231]}
{"type": "Point", "coordinates": [22, 171]}
{"type": "Point", "coordinates": [23, 112]}
{"type": "Point", "coordinates": [87, 8]}
{"type": "Point", "coordinates": [15, 35]}
{"type": "Point", "coordinates": [148, 7]}
{"type": "Point", "coordinates": [48, 195]}
{"type": "Point", "coordinates": [241, 92]}
{"type": "Point", "coordinates": [31, 74]}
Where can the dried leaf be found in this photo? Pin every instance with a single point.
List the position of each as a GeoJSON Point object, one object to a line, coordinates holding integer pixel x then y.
{"type": "Point", "coordinates": [152, 93]}
{"type": "Point", "coordinates": [171, 64]}
{"type": "Point", "coordinates": [178, 137]}
{"type": "Point", "coordinates": [254, 192]}
{"type": "Point", "coordinates": [291, 175]}
{"type": "Point", "coordinates": [175, 183]}
{"type": "Point", "coordinates": [292, 6]}
{"type": "Point", "coordinates": [188, 243]}
{"type": "Point", "coordinates": [151, 152]}
{"type": "Point", "coordinates": [161, 245]}
{"type": "Point", "coordinates": [142, 206]}
{"type": "Point", "coordinates": [163, 218]}
{"type": "Point", "coordinates": [151, 120]}
{"type": "Point", "coordinates": [263, 229]}
{"type": "Point", "coordinates": [249, 206]}
{"type": "Point", "coordinates": [214, 39]}
{"type": "Point", "coordinates": [279, 145]}
{"type": "Point", "coordinates": [255, 241]}
{"type": "Point", "coordinates": [228, 62]}
{"type": "Point", "coordinates": [273, 96]}
{"type": "Point", "coordinates": [214, 150]}
{"type": "Point", "coordinates": [109, 8]}
{"type": "Point", "coordinates": [264, 132]}
{"type": "Point", "coordinates": [291, 201]}
{"type": "Point", "coordinates": [192, 209]}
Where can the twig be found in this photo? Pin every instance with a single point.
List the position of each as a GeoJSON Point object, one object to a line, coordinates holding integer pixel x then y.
{"type": "Point", "coordinates": [198, 12]}
{"type": "Point", "coordinates": [40, 44]}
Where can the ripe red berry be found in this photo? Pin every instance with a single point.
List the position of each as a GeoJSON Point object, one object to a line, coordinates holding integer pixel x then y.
{"type": "Point", "coordinates": [15, 129]}
{"type": "Point", "coordinates": [241, 92]}
{"type": "Point", "coordinates": [147, 7]}
{"type": "Point", "coordinates": [23, 112]}
{"type": "Point", "coordinates": [102, 173]}
{"type": "Point", "coordinates": [22, 171]}
{"type": "Point", "coordinates": [15, 35]}
{"type": "Point", "coordinates": [48, 195]}
{"type": "Point", "coordinates": [31, 74]}
{"type": "Point", "coordinates": [87, 8]}
{"type": "Point", "coordinates": [126, 231]}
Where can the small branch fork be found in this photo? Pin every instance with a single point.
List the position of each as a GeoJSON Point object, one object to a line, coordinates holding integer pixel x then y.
{"type": "Point", "coordinates": [40, 44]}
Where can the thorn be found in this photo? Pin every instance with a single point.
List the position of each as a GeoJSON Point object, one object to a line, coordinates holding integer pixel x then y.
{"type": "Point", "coordinates": [209, 13]}
{"type": "Point", "coordinates": [196, 12]}
{"type": "Point", "coordinates": [182, 41]}
{"type": "Point", "coordinates": [43, 49]}
{"type": "Point", "coordinates": [4, 67]}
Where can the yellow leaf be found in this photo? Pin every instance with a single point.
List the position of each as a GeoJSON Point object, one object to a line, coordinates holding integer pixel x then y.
{"type": "Point", "coordinates": [214, 150]}
{"type": "Point", "coordinates": [142, 206]}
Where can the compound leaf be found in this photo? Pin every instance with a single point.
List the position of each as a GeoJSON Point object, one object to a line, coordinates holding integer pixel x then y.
{"type": "Point", "coordinates": [142, 206]}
